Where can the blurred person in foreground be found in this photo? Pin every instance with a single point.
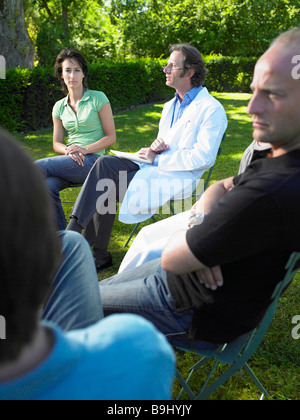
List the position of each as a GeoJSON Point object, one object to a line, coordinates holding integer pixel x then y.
{"type": "Point", "coordinates": [72, 354]}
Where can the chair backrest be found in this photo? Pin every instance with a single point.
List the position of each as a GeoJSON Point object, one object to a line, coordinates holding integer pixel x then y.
{"type": "Point", "coordinates": [212, 168]}
{"type": "Point", "coordinates": [292, 268]}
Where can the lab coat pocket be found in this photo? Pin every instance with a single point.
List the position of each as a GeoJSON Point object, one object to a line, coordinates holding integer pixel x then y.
{"type": "Point", "coordinates": [187, 137]}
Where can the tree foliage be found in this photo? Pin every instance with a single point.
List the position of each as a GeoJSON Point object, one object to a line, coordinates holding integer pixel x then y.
{"type": "Point", "coordinates": [56, 24]}
{"type": "Point", "coordinates": [227, 27]}
{"type": "Point", "coordinates": [121, 29]}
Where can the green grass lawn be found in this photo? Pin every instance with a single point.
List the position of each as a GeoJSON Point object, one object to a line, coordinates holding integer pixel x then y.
{"type": "Point", "coordinates": [277, 361]}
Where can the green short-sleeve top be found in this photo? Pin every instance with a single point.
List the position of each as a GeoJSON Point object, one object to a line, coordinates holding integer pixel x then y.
{"type": "Point", "coordinates": [85, 127]}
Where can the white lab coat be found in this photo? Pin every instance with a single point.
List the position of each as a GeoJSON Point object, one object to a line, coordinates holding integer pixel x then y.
{"type": "Point", "coordinates": [194, 143]}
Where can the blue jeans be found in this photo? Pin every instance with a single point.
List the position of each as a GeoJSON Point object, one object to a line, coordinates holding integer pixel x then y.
{"type": "Point", "coordinates": [62, 172]}
{"type": "Point", "coordinates": [74, 301]}
{"type": "Point", "coordinates": [144, 291]}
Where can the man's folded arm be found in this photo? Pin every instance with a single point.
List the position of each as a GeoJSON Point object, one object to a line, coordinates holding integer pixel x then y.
{"type": "Point", "coordinates": [177, 257]}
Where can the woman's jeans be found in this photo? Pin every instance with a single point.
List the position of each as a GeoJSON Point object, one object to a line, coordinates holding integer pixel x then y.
{"type": "Point", "coordinates": [61, 173]}
{"type": "Point", "coordinates": [74, 300]}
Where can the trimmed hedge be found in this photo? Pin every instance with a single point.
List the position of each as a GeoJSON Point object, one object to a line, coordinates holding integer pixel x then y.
{"type": "Point", "coordinates": [27, 96]}
{"type": "Point", "coordinates": [230, 74]}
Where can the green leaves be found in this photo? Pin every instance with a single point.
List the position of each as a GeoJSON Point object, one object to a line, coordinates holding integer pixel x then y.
{"type": "Point", "coordinates": [122, 29]}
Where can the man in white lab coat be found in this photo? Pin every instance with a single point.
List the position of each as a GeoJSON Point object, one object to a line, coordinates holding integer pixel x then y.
{"type": "Point", "coordinates": [190, 132]}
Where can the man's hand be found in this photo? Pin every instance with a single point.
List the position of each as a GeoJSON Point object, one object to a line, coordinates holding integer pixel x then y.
{"type": "Point", "coordinates": [147, 154]}
{"type": "Point", "coordinates": [212, 278]}
{"type": "Point", "coordinates": [159, 146]}
{"type": "Point", "coordinates": [177, 258]}
{"type": "Point", "coordinates": [209, 200]}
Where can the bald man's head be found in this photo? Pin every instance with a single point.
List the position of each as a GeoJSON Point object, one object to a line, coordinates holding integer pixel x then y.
{"type": "Point", "coordinates": [275, 105]}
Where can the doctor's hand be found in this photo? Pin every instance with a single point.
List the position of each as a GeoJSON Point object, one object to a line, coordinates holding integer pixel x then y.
{"type": "Point", "coordinates": [147, 154]}
{"type": "Point", "coordinates": [159, 146]}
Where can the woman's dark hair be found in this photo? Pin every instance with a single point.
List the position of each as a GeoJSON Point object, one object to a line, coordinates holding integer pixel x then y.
{"type": "Point", "coordinates": [193, 60]}
{"type": "Point", "coordinates": [29, 245]}
{"type": "Point", "coordinates": [69, 53]}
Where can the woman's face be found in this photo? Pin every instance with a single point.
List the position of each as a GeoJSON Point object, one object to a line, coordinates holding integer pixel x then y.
{"type": "Point", "coordinates": [72, 74]}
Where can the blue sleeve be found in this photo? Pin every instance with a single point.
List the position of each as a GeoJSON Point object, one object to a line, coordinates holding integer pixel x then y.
{"type": "Point", "coordinates": [135, 359]}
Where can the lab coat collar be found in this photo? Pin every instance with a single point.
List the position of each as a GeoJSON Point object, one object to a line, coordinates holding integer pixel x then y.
{"type": "Point", "coordinates": [203, 94]}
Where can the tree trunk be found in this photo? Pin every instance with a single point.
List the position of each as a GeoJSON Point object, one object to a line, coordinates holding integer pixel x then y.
{"type": "Point", "coordinates": [65, 19]}
{"type": "Point", "coordinates": [15, 44]}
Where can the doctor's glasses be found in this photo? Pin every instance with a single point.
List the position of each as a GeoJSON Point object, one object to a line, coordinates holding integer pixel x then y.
{"type": "Point", "coordinates": [170, 69]}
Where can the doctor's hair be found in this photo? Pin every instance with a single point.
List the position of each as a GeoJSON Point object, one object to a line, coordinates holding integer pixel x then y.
{"type": "Point", "coordinates": [70, 54]}
{"type": "Point", "coordinates": [30, 248]}
{"type": "Point", "coordinates": [193, 60]}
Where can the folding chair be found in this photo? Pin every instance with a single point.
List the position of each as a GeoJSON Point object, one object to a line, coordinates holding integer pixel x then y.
{"type": "Point", "coordinates": [172, 201]}
{"type": "Point", "coordinates": [212, 168]}
{"type": "Point", "coordinates": [66, 202]}
{"type": "Point", "coordinates": [238, 353]}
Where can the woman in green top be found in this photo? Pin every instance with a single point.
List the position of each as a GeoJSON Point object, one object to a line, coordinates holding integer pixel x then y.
{"type": "Point", "coordinates": [87, 117]}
